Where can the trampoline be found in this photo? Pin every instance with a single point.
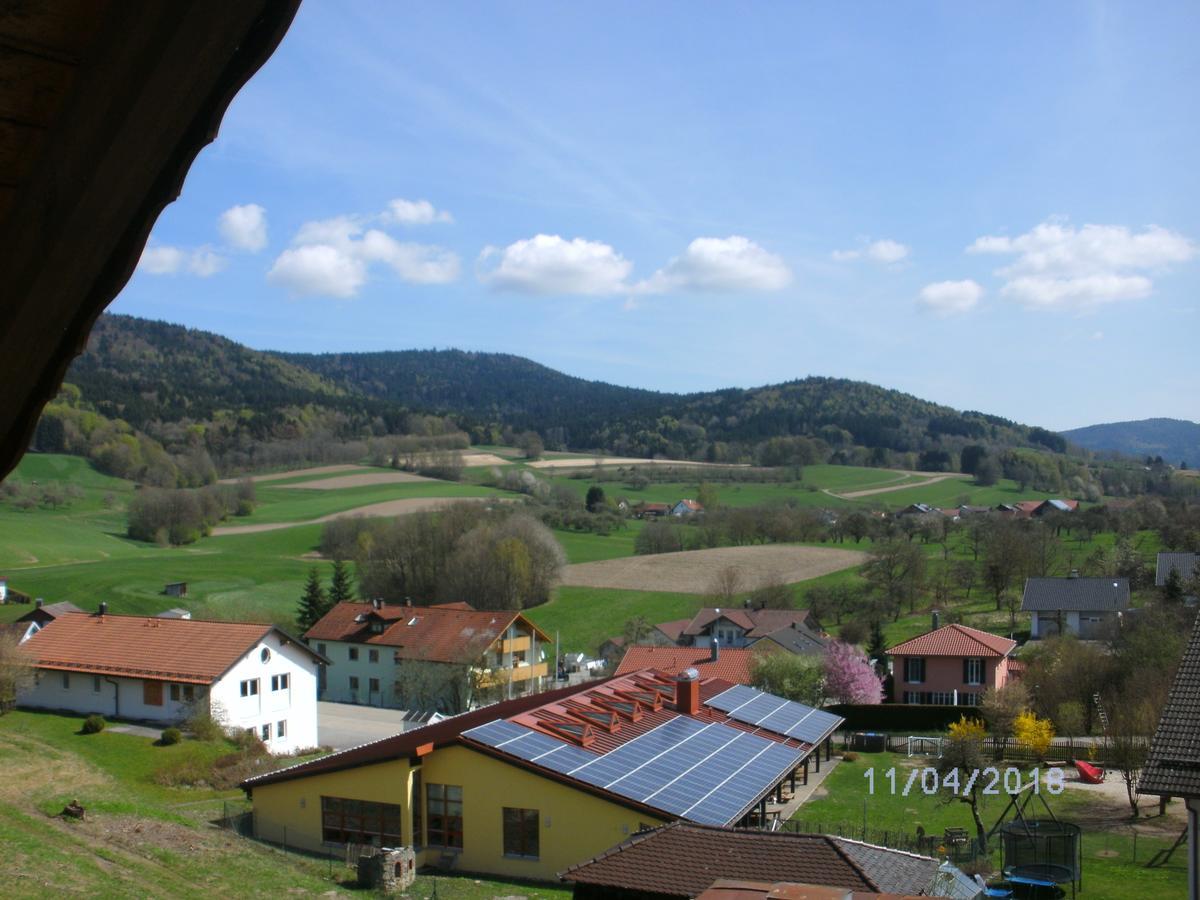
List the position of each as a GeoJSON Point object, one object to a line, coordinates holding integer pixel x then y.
{"type": "Point", "coordinates": [1041, 854]}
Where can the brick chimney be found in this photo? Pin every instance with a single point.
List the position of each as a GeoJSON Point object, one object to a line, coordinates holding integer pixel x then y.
{"type": "Point", "coordinates": [687, 692]}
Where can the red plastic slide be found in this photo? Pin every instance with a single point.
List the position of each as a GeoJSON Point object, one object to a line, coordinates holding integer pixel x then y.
{"type": "Point", "coordinates": [1089, 773]}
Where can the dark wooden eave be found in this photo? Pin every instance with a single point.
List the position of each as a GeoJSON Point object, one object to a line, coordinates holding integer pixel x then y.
{"type": "Point", "coordinates": [103, 108]}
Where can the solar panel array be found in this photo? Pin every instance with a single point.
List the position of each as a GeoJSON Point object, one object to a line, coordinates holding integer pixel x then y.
{"type": "Point", "coordinates": [745, 704]}
{"type": "Point", "coordinates": [704, 772]}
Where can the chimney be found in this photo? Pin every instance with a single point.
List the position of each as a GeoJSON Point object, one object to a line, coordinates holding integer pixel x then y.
{"type": "Point", "coordinates": [747, 603]}
{"type": "Point", "coordinates": [687, 692]}
{"type": "Point", "coordinates": [103, 611]}
{"type": "Point", "coordinates": [1074, 573]}
{"type": "Point", "coordinates": [408, 601]}
{"type": "Point", "coordinates": [39, 603]}
{"type": "Point", "coordinates": [714, 647]}
{"type": "Point", "coordinates": [377, 603]}
{"type": "Point", "coordinates": [937, 620]}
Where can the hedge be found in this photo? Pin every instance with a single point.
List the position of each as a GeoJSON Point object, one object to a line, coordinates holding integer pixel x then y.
{"type": "Point", "coordinates": [900, 718]}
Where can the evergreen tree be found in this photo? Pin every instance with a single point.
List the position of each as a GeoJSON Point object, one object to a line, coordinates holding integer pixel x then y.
{"type": "Point", "coordinates": [876, 645]}
{"type": "Point", "coordinates": [313, 605]}
{"type": "Point", "coordinates": [340, 588]}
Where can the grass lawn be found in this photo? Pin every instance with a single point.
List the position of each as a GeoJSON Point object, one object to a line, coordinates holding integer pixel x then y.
{"type": "Point", "coordinates": [584, 617]}
{"type": "Point", "coordinates": [1110, 869]}
{"type": "Point", "coordinates": [142, 839]}
{"type": "Point", "coordinates": [585, 546]}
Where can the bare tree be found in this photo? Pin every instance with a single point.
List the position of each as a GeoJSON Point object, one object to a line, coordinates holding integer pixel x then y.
{"type": "Point", "coordinates": [15, 672]}
{"type": "Point", "coordinates": [726, 584]}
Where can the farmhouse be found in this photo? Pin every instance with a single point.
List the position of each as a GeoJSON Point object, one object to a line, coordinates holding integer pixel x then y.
{"type": "Point", "coordinates": [448, 657]}
{"type": "Point", "coordinates": [683, 860]}
{"type": "Point", "coordinates": [252, 677]}
{"type": "Point", "coordinates": [1173, 766]}
{"type": "Point", "coordinates": [1085, 607]}
{"type": "Point", "coordinates": [950, 665]}
{"type": "Point", "coordinates": [653, 510]}
{"type": "Point", "coordinates": [686, 508]}
{"type": "Point", "coordinates": [530, 786]}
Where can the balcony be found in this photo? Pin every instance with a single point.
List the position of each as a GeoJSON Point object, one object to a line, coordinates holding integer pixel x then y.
{"type": "Point", "coordinates": [514, 645]}
{"type": "Point", "coordinates": [491, 677]}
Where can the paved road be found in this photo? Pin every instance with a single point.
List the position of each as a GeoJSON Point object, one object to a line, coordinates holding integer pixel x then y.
{"type": "Point", "coordinates": [342, 725]}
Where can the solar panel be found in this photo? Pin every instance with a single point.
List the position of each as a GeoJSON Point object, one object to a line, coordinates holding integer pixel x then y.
{"type": "Point", "coordinates": [796, 720]}
{"type": "Point", "coordinates": [705, 772]}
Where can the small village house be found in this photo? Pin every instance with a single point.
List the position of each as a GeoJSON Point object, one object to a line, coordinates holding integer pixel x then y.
{"type": "Point", "coordinates": [1088, 608]}
{"type": "Point", "coordinates": [686, 508]}
{"type": "Point", "coordinates": [449, 657]}
{"type": "Point", "coordinates": [252, 677]}
{"type": "Point", "coordinates": [741, 626]}
{"type": "Point", "coordinates": [950, 665]}
{"type": "Point", "coordinates": [1185, 565]}
{"type": "Point", "coordinates": [531, 786]}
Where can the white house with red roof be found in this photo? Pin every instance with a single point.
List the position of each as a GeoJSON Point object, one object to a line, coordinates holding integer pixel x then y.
{"type": "Point", "coordinates": [252, 677]}
{"type": "Point", "coordinates": [950, 665]}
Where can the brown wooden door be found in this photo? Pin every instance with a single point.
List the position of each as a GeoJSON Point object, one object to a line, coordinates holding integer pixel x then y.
{"type": "Point", "coordinates": [152, 693]}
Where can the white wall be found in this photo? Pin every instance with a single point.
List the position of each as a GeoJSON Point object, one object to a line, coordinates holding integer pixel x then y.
{"type": "Point", "coordinates": [107, 695]}
{"type": "Point", "coordinates": [296, 705]}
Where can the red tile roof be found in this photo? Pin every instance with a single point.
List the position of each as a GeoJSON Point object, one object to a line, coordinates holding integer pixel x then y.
{"type": "Point", "coordinates": [184, 650]}
{"type": "Point", "coordinates": [450, 632]}
{"type": "Point", "coordinates": [731, 664]}
{"type": "Point", "coordinates": [684, 859]}
{"type": "Point", "coordinates": [955, 640]}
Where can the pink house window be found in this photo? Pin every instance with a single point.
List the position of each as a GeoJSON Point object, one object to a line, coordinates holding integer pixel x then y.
{"type": "Point", "coordinates": [973, 670]}
{"type": "Point", "coordinates": [914, 669]}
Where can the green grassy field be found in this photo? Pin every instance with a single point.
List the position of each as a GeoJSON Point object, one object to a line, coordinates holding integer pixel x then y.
{"type": "Point", "coordinates": [1110, 867]}
{"type": "Point", "coordinates": [143, 839]}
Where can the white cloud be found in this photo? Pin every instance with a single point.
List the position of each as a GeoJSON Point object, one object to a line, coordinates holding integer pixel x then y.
{"type": "Point", "coordinates": [884, 251]}
{"type": "Point", "coordinates": [548, 264]}
{"type": "Point", "coordinates": [947, 298]}
{"type": "Point", "coordinates": [206, 262]}
{"type": "Point", "coordinates": [333, 257]}
{"type": "Point", "coordinates": [163, 259]}
{"type": "Point", "coordinates": [413, 212]}
{"type": "Point", "coordinates": [720, 265]}
{"type": "Point", "coordinates": [319, 269]}
{"type": "Point", "coordinates": [1097, 335]}
{"type": "Point", "coordinates": [244, 227]}
{"type": "Point", "coordinates": [1057, 266]}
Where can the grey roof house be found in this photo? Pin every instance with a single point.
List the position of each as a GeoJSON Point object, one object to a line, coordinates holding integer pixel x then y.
{"type": "Point", "coordinates": [1173, 767]}
{"type": "Point", "coordinates": [1088, 608]}
{"type": "Point", "coordinates": [1184, 563]}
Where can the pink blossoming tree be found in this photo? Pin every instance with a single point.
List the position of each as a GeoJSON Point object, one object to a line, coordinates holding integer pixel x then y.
{"type": "Point", "coordinates": [849, 675]}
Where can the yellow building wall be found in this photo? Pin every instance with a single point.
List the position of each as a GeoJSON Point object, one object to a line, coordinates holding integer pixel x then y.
{"type": "Point", "coordinates": [573, 825]}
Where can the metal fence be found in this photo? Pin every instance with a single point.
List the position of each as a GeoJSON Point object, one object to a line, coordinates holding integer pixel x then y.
{"type": "Point", "coordinates": [237, 816]}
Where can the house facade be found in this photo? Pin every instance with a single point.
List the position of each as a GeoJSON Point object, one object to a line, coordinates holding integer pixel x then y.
{"type": "Point", "coordinates": [740, 627]}
{"type": "Point", "coordinates": [447, 658]}
{"type": "Point", "coordinates": [952, 665]}
{"type": "Point", "coordinates": [686, 508]}
{"type": "Point", "coordinates": [1089, 608]}
{"type": "Point", "coordinates": [250, 677]}
{"type": "Point", "coordinates": [528, 787]}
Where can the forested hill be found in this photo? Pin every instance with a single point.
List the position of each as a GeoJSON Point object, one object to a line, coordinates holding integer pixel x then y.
{"type": "Point", "coordinates": [145, 371]}
{"type": "Point", "coordinates": [1175, 440]}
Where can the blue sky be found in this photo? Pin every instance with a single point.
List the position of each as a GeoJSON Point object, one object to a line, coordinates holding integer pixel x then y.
{"type": "Point", "coordinates": [993, 206]}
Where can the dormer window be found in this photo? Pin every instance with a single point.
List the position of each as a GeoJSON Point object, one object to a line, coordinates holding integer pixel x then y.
{"type": "Point", "coordinates": [376, 628]}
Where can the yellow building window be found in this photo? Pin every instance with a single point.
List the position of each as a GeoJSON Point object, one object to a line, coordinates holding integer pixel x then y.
{"type": "Point", "coordinates": [360, 822]}
{"type": "Point", "coordinates": [521, 832]}
{"type": "Point", "coordinates": [444, 810]}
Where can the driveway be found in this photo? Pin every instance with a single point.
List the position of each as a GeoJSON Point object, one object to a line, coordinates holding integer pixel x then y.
{"type": "Point", "coordinates": [342, 725]}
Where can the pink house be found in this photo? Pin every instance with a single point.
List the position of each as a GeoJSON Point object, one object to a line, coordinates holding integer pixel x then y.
{"type": "Point", "coordinates": [950, 665]}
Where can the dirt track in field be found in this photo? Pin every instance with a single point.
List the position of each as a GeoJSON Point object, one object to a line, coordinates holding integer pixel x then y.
{"type": "Point", "coordinates": [362, 479]}
{"type": "Point", "coordinates": [295, 473]}
{"type": "Point", "coordinates": [485, 459]}
{"type": "Point", "coordinates": [867, 492]}
{"type": "Point", "coordinates": [379, 510]}
{"type": "Point", "coordinates": [693, 571]}
{"type": "Point", "coordinates": [580, 462]}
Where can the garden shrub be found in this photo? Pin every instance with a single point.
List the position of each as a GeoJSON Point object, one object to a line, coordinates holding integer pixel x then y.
{"type": "Point", "coordinates": [170, 736]}
{"type": "Point", "coordinates": [93, 724]}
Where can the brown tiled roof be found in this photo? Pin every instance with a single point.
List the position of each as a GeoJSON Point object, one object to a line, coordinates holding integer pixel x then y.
{"type": "Point", "coordinates": [731, 664]}
{"type": "Point", "coordinates": [1173, 767]}
{"type": "Point", "coordinates": [447, 633]}
{"type": "Point", "coordinates": [673, 629]}
{"type": "Point", "coordinates": [682, 860]}
{"type": "Point", "coordinates": [741, 889]}
{"type": "Point", "coordinates": [956, 640]}
{"type": "Point", "coordinates": [184, 650]}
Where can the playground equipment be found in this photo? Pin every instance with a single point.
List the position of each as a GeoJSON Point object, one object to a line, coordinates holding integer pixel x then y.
{"type": "Point", "coordinates": [1089, 773]}
{"type": "Point", "coordinates": [1038, 853]}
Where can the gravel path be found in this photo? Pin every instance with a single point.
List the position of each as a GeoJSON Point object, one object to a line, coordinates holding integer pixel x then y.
{"type": "Point", "coordinates": [934, 479]}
